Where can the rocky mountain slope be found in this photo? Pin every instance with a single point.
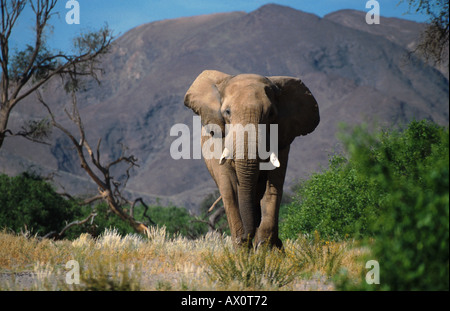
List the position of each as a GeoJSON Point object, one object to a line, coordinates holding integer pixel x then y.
{"type": "Point", "coordinates": [357, 72]}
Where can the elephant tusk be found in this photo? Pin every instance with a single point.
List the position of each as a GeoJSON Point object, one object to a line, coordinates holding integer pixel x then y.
{"type": "Point", "coordinates": [225, 154]}
{"type": "Point", "coordinates": [274, 160]}
{"type": "Point", "coordinates": [214, 204]}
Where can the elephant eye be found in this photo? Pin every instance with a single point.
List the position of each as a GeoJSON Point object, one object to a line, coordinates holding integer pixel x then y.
{"type": "Point", "coordinates": [227, 112]}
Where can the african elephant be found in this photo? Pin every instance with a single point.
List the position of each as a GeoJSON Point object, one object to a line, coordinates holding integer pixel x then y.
{"type": "Point", "coordinates": [251, 196]}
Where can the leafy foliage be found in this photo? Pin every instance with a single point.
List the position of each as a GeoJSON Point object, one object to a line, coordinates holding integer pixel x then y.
{"type": "Point", "coordinates": [177, 221]}
{"type": "Point", "coordinates": [29, 203]}
{"type": "Point", "coordinates": [334, 203]}
{"type": "Point", "coordinates": [41, 64]}
{"type": "Point", "coordinates": [92, 42]}
{"type": "Point", "coordinates": [392, 186]}
{"type": "Point", "coordinates": [434, 39]}
{"type": "Point", "coordinates": [37, 129]}
{"type": "Point", "coordinates": [104, 219]}
{"type": "Point", "coordinates": [27, 70]}
{"type": "Point", "coordinates": [412, 233]}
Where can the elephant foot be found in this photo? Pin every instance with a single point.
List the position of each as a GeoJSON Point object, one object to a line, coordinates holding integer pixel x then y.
{"type": "Point", "coordinates": [247, 242]}
{"type": "Point", "coordinates": [241, 242]}
{"type": "Point", "coordinates": [278, 244]}
{"type": "Point", "coordinates": [271, 242]}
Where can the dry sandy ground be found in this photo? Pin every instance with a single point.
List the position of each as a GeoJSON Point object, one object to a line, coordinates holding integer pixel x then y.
{"type": "Point", "coordinates": [29, 280]}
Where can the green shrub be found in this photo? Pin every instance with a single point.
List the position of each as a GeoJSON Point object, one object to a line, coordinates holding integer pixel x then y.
{"type": "Point", "coordinates": [345, 199]}
{"type": "Point", "coordinates": [177, 220]}
{"type": "Point", "coordinates": [335, 203]}
{"type": "Point", "coordinates": [412, 238]}
{"type": "Point", "coordinates": [104, 219]}
{"type": "Point", "coordinates": [27, 202]}
{"type": "Point", "coordinates": [392, 186]}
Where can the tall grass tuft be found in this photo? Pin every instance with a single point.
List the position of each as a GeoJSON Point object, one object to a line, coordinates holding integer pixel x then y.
{"type": "Point", "coordinates": [315, 255]}
{"type": "Point", "coordinates": [100, 277]}
{"type": "Point", "coordinates": [250, 269]}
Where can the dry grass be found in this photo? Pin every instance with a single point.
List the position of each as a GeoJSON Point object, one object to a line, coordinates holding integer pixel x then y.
{"type": "Point", "coordinates": [157, 262]}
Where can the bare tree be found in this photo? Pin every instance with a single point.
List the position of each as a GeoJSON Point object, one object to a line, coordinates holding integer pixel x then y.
{"type": "Point", "coordinates": [212, 220]}
{"type": "Point", "coordinates": [28, 70]}
{"type": "Point", "coordinates": [110, 189]}
{"type": "Point", "coordinates": [57, 235]}
{"type": "Point", "coordinates": [434, 43]}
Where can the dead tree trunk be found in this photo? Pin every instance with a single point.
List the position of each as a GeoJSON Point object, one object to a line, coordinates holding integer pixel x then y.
{"type": "Point", "coordinates": [108, 188]}
{"type": "Point", "coordinates": [214, 219]}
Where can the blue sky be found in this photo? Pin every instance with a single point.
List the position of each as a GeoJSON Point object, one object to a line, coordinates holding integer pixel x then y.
{"type": "Point", "coordinates": [122, 15]}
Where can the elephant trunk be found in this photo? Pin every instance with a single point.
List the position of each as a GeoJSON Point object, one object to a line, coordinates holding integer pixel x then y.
{"type": "Point", "coordinates": [247, 172]}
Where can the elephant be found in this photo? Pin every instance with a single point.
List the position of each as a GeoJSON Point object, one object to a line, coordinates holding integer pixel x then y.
{"type": "Point", "coordinates": [251, 196]}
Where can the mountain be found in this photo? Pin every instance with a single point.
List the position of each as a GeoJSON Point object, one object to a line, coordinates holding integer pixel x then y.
{"type": "Point", "coordinates": [357, 72]}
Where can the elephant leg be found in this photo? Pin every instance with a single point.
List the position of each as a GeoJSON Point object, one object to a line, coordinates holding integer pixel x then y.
{"type": "Point", "coordinates": [270, 204]}
{"type": "Point", "coordinates": [228, 189]}
{"type": "Point", "coordinates": [225, 179]}
{"type": "Point", "coordinates": [260, 190]}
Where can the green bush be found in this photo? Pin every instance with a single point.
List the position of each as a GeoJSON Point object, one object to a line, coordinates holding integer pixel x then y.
{"type": "Point", "coordinates": [177, 220]}
{"type": "Point", "coordinates": [392, 186]}
{"type": "Point", "coordinates": [27, 202]}
{"type": "Point", "coordinates": [335, 203]}
{"type": "Point", "coordinates": [104, 219]}
{"type": "Point", "coordinates": [412, 233]}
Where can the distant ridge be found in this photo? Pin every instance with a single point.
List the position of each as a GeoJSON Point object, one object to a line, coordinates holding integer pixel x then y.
{"type": "Point", "coordinates": [357, 72]}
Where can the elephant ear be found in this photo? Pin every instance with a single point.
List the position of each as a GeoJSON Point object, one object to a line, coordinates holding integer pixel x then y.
{"type": "Point", "coordinates": [204, 98]}
{"type": "Point", "coordinates": [298, 111]}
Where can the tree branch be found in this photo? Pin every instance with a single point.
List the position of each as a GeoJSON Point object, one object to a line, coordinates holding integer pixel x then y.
{"type": "Point", "coordinates": [78, 146]}
{"type": "Point", "coordinates": [30, 69]}
{"type": "Point", "coordinates": [108, 188]}
{"type": "Point", "coordinates": [213, 219]}
{"type": "Point", "coordinates": [145, 211]}
{"type": "Point", "coordinates": [55, 235]}
{"type": "Point", "coordinates": [214, 204]}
